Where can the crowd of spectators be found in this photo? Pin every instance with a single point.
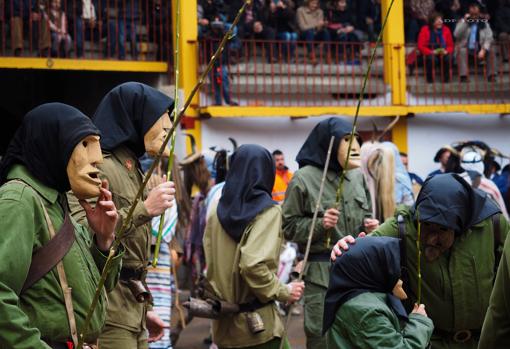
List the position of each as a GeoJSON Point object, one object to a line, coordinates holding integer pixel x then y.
{"type": "Point", "coordinates": [58, 28]}
{"type": "Point", "coordinates": [447, 33]}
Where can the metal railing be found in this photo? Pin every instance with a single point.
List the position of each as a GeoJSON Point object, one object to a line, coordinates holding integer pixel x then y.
{"type": "Point", "coordinates": [311, 74]}
{"type": "Point", "coordinates": [460, 78]}
{"type": "Point", "coordinates": [297, 73]}
{"type": "Point", "coordinates": [137, 30]}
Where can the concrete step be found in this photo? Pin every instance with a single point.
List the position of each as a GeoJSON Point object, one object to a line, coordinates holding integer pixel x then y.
{"type": "Point", "coordinates": [312, 85]}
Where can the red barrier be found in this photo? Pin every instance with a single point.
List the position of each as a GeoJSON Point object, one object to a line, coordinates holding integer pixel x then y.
{"type": "Point", "coordinates": [462, 78]}
{"type": "Point", "coordinates": [291, 73]}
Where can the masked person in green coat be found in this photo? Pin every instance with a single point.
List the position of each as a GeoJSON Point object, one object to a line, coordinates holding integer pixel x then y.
{"type": "Point", "coordinates": [496, 327]}
{"type": "Point", "coordinates": [459, 243]}
{"type": "Point", "coordinates": [43, 251]}
{"type": "Point", "coordinates": [133, 119]}
{"type": "Point", "coordinates": [242, 243]}
{"type": "Point", "coordinates": [363, 306]}
{"type": "Point", "coordinates": [299, 206]}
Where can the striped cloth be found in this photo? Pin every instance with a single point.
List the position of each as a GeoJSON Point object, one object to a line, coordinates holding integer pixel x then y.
{"type": "Point", "coordinates": [160, 279]}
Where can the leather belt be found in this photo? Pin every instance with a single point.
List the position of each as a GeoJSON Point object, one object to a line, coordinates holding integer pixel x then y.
{"type": "Point", "coordinates": [59, 345]}
{"type": "Point", "coordinates": [460, 336]}
{"type": "Point", "coordinates": [127, 274]}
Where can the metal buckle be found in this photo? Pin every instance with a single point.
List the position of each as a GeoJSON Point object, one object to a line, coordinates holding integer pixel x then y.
{"type": "Point", "coordinates": [462, 336]}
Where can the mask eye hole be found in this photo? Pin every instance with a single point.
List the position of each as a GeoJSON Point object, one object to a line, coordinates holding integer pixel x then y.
{"type": "Point", "coordinates": [166, 129]}
{"type": "Point", "coordinates": [85, 144]}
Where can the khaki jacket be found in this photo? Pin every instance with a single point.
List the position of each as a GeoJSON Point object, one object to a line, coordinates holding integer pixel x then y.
{"type": "Point", "coordinates": [241, 272]}
{"type": "Point", "coordinates": [122, 171]}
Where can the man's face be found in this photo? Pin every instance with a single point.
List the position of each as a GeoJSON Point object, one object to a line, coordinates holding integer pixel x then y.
{"type": "Point", "coordinates": [404, 160]}
{"type": "Point", "coordinates": [341, 4]}
{"type": "Point", "coordinates": [443, 159]}
{"type": "Point", "coordinates": [82, 170]}
{"type": "Point", "coordinates": [154, 138]}
{"type": "Point", "coordinates": [435, 240]}
{"type": "Point", "coordinates": [354, 158]}
{"type": "Point", "coordinates": [474, 11]}
{"type": "Point", "coordinates": [279, 161]}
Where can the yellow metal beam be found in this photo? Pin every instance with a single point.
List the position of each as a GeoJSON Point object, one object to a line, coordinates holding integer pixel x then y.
{"type": "Point", "coordinates": [82, 64]}
{"type": "Point", "coordinates": [368, 111]}
{"type": "Point", "coordinates": [399, 134]}
{"type": "Point", "coordinates": [394, 50]}
{"type": "Point", "coordinates": [189, 62]}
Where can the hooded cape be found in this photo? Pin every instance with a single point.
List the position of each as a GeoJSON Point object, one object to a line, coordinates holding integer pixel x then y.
{"type": "Point", "coordinates": [45, 142]}
{"type": "Point", "coordinates": [247, 190]}
{"type": "Point", "coordinates": [448, 200]}
{"type": "Point", "coordinates": [315, 149]}
{"type": "Point", "coordinates": [372, 264]}
{"type": "Point", "coordinates": [127, 112]}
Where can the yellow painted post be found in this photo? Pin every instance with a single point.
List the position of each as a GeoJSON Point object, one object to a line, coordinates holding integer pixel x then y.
{"type": "Point", "coordinates": [399, 134]}
{"type": "Point", "coordinates": [189, 63]}
{"type": "Point", "coordinates": [394, 51]}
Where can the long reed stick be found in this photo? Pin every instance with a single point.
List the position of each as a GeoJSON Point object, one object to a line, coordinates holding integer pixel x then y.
{"type": "Point", "coordinates": [127, 222]}
{"type": "Point", "coordinates": [176, 106]}
{"type": "Point", "coordinates": [310, 233]}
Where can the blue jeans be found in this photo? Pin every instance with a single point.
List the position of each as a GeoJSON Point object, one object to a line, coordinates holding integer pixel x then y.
{"type": "Point", "coordinates": [314, 35]}
{"type": "Point", "coordinates": [221, 84]}
{"type": "Point", "coordinates": [78, 35]}
{"type": "Point", "coordinates": [289, 46]}
{"type": "Point", "coordinates": [118, 31]}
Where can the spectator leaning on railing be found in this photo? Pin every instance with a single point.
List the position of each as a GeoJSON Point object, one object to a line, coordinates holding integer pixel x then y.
{"type": "Point", "coordinates": [310, 18]}
{"type": "Point", "coordinates": [341, 28]}
{"type": "Point", "coordinates": [435, 43]}
{"type": "Point", "coordinates": [369, 18]}
{"type": "Point", "coordinates": [283, 19]}
{"type": "Point", "coordinates": [61, 41]}
{"type": "Point", "coordinates": [474, 42]}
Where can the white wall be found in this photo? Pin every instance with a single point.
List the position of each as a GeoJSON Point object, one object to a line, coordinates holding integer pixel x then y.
{"type": "Point", "coordinates": [426, 134]}
{"type": "Point", "coordinates": [282, 133]}
{"type": "Point", "coordinates": [429, 132]}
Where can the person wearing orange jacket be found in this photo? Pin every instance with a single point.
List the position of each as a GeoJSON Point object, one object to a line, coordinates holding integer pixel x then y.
{"type": "Point", "coordinates": [283, 177]}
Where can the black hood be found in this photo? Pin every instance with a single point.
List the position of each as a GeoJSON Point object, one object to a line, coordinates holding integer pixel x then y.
{"type": "Point", "coordinates": [127, 112]}
{"type": "Point", "coordinates": [45, 142]}
{"type": "Point", "coordinates": [247, 190]}
{"type": "Point", "coordinates": [315, 149]}
{"type": "Point", "coordinates": [448, 200]}
{"type": "Point", "coordinates": [372, 264]}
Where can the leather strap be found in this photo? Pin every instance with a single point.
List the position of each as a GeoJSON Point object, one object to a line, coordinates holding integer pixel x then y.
{"type": "Point", "coordinates": [68, 300]}
{"type": "Point", "coordinates": [47, 257]}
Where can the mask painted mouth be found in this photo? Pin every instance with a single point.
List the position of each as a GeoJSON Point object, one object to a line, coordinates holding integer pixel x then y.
{"type": "Point", "coordinates": [94, 175]}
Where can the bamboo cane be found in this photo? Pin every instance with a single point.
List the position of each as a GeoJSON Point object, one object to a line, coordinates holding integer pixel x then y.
{"type": "Point", "coordinates": [339, 190]}
{"type": "Point", "coordinates": [127, 222]}
{"type": "Point", "coordinates": [176, 105]}
{"type": "Point", "coordinates": [310, 233]}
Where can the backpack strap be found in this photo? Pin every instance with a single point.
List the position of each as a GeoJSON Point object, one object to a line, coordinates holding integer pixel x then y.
{"type": "Point", "coordinates": [68, 299]}
{"type": "Point", "coordinates": [496, 229]}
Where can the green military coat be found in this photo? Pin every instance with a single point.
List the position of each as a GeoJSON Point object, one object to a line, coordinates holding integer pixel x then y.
{"type": "Point", "coordinates": [40, 312]}
{"type": "Point", "coordinates": [240, 272]}
{"type": "Point", "coordinates": [366, 321]}
{"type": "Point", "coordinates": [496, 327]}
{"type": "Point", "coordinates": [299, 206]}
{"type": "Point", "coordinates": [122, 171]}
{"type": "Point", "coordinates": [298, 210]}
{"type": "Point", "coordinates": [456, 287]}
